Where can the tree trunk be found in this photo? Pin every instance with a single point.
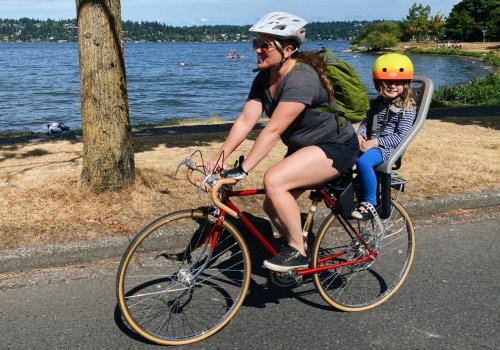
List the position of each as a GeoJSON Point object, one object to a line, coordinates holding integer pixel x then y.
{"type": "Point", "coordinates": [108, 156]}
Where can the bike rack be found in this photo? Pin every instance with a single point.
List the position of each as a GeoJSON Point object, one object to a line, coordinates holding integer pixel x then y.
{"type": "Point", "coordinates": [422, 87]}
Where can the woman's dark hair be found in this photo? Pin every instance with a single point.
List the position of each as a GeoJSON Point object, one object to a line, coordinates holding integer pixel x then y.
{"type": "Point", "coordinates": [317, 61]}
{"type": "Point", "coordinates": [314, 59]}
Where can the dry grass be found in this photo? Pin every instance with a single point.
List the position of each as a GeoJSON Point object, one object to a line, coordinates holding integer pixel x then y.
{"type": "Point", "coordinates": [42, 202]}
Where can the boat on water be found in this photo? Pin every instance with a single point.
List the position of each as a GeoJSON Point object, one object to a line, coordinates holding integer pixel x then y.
{"type": "Point", "coordinates": [234, 54]}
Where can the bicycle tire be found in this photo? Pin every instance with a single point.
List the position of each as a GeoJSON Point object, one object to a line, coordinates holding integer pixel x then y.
{"type": "Point", "coordinates": [170, 290]}
{"type": "Point", "coordinates": [364, 286]}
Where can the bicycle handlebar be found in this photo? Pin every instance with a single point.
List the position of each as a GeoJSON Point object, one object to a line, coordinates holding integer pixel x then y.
{"type": "Point", "coordinates": [209, 180]}
{"type": "Point", "coordinates": [215, 197]}
{"type": "Point", "coordinates": [201, 185]}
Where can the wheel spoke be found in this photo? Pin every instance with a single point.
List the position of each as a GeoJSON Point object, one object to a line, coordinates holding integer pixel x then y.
{"type": "Point", "coordinates": [364, 285]}
{"type": "Point", "coordinates": [172, 288]}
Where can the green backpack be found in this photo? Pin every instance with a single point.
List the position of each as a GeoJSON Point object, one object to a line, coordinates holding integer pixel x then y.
{"type": "Point", "coordinates": [349, 91]}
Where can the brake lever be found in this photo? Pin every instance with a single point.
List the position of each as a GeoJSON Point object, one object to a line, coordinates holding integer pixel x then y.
{"type": "Point", "coordinates": [188, 162]}
{"type": "Point", "coordinates": [210, 180]}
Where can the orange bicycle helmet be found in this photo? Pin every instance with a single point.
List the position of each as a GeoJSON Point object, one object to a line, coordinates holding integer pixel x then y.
{"type": "Point", "coordinates": [392, 66]}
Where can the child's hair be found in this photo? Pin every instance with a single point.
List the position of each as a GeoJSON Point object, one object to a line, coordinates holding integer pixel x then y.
{"type": "Point", "coordinates": [404, 100]}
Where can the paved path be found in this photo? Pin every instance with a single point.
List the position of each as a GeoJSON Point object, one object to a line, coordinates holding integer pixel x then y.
{"type": "Point", "coordinates": [449, 301]}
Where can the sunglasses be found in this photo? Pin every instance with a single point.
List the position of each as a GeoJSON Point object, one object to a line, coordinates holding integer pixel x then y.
{"type": "Point", "coordinates": [264, 46]}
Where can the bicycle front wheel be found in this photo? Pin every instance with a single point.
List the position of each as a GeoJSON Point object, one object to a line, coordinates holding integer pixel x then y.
{"type": "Point", "coordinates": [183, 278]}
{"type": "Point", "coordinates": [362, 286]}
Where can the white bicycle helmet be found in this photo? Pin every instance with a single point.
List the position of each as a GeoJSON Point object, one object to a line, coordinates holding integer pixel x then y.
{"type": "Point", "coordinates": [281, 25]}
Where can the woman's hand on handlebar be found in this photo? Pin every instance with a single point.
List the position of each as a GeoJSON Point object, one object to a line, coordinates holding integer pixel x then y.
{"type": "Point", "coordinates": [237, 173]}
{"type": "Point", "coordinates": [213, 165]}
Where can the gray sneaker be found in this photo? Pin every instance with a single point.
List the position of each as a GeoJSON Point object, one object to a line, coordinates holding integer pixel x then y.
{"type": "Point", "coordinates": [287, 259]}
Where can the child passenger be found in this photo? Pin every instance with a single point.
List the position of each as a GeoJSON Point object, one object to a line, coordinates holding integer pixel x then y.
{"type": "Point", "coordinates": [389, 119]}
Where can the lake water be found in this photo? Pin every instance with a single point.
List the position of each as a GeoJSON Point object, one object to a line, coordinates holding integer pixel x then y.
{"type": "Point", "coordinates": [39, 82]}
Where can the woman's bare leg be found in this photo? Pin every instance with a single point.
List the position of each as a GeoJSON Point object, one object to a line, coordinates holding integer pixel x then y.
{"type": "Point", "coordinates": [305, 168]}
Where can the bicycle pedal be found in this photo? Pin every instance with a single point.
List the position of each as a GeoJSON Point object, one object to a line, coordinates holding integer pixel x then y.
{"type": "Point", "coordinates": [289, 279]}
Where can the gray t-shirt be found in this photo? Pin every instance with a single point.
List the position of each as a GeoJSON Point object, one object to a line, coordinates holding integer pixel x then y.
{"type": "Point", "coordinates": [312, 126]}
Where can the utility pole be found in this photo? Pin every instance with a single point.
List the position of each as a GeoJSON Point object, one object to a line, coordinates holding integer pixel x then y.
{"type": "Point", "coordinates": [484, 34]}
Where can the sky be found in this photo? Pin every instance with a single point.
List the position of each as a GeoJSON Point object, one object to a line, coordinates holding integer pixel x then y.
{"type": "Point", "coordinates": [232, 12]}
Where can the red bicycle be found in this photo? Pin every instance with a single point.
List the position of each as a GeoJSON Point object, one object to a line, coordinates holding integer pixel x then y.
{"type": "Point", "coordinates": [185, 275]}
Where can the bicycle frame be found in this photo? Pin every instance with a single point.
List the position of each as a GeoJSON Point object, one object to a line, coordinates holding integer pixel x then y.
{"type": "Point", "coordinates": [330, 203]}
{"type": "Point", "coordinates": [193, 262]}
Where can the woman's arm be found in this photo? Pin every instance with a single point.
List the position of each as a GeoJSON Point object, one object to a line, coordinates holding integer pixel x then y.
{"type": "Point", "coordinates": [243, 125]}
{"type": "Point", "coordinates": [284, 114]}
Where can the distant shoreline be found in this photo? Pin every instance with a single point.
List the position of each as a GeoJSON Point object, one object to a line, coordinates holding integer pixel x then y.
{"type": "Point", "coordinates": [222, 127]}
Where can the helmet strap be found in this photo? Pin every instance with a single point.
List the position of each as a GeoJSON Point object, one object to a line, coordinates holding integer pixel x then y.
{"type": "Point", "coordinates": [282, 52]}
{"type": "Point", "coordinates": [279, 47]}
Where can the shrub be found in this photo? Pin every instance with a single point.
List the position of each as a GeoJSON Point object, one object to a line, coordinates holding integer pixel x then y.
{"type": "Point", "coordinates": [485, 91]}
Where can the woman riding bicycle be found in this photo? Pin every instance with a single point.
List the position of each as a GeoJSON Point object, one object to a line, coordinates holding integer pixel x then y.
{"type": "Point", "coordinates": [318, 148]}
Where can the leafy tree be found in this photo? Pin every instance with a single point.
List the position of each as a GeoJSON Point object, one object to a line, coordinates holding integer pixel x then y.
{"type": "Point", "coordinates": [470, 20]}
{"type": "Point", "coordinates": [27, 29]}
{"type": "Point", "coordinates": [436, 26]}
{"type": "Point", "coordinates": [380, 35]}
{"type": "Point", "coordinates": [108, 156]}
{"type": "Point", "coordinates": [417, 24]}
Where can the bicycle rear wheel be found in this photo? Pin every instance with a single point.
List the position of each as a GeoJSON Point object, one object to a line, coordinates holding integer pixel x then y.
{"type": "Point", "coordinates": [366, 285]}
{"type": "Point", "coordinates": [175, 285]}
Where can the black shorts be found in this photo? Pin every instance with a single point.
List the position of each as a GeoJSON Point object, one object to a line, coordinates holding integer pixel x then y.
{"type": "Point", "coordinates": [344, 155]}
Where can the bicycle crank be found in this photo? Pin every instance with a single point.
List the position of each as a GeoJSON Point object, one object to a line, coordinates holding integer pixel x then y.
{"type": "Point", "coordinates": [287, 279]}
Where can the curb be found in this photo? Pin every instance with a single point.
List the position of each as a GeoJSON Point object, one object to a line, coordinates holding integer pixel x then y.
{"type": "Point", "coordinates": [50, 256]}
{"type": "Point", "coordinates": [446, 203]}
